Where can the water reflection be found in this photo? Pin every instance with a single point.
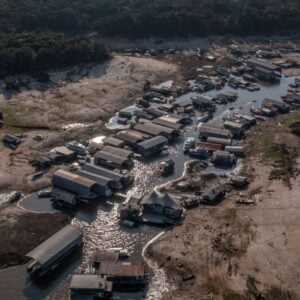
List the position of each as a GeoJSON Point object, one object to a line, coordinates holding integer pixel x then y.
{"type": "Point", "coordinates": [99, 221]}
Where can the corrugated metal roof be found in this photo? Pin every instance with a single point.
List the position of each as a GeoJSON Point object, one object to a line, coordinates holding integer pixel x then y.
{"type": "Point", "coordinates": [233, 124]}
{"type": "Point", "coordinates": [102, 172]}
{"type": "Point", "coordinates": [261, 63]}
{"type": "Point", "coordinates": [153, 129]}
{"type": "Point", "coordinates": [109, 157]}
{"type": "Point", "coordinates": [72, 177]}
{"type": "Point", "coordinates": [130, 136]}
{"type": "Point", "coordinates": [55, 244]}
{"type": "Point", "coordinates": [167, 123]}
{"type": "Point", "coordinates": [122, 269]}
{"type": "Point", "coordinates": [113, 141]}
{"type": "Point", "coordinates": [155, 141]}
{"type": "Point", "coordinates": [90, 282]}
{"type": "Point", "coordinates": [101, 180]}
{"type": "Point", "coordinates": [103, 255]}
{"type": "Point", "coordinates": [117, 151]}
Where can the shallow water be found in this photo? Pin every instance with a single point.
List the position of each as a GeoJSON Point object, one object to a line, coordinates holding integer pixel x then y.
{"type": "Point", "coordinates": [99, 220]}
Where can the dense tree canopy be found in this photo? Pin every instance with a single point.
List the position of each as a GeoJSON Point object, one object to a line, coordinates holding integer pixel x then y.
{"type": "Point", "coordinates": [136, 18]}
{"type": "Point", "coordinates": [26, 52]}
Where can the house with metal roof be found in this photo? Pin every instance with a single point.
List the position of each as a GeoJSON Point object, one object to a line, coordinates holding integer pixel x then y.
{"type": "Point", "coordinates": [51, 252]}
{"type": "Point", "coordinates": [124, 273]}
{"type": "Point", "coordinates": [164, 121]}
{"type": "Point", "coordinates": [102, 183]}
{"type": "Point", "coordinates": [220, 141]}
{"type": "Point", "coordinates": [111, 160]}
{"type": "Point", "coordinates": [210, 130]}
{"type": "Point", "coordinates": [118, 180]}
{"type": "Point", "coordinates": [280, 106]}
{"type": "Point", "coordinates": [152, 146]}
{"type": "Point", "coordinates": [223, 158]}
{"type": "Point", "coordinates": [237, 129]}
{"type": "Point", "coordinates": [255, 63]}
{"type": "Point", "coordinates": [90, 284]}
{"type": "Point", "coordinates": [213, 195]}
{"type": "Point", "coordinates": [162, 203]}
{"type": "Point", "coordinates": [155, 129]}
{"type": "Point", "coordinates": [130, 137]}
{"type": "Point", "coordinates": [118, 151]}
{"type": "Point", "coordinates": [74, 183]}
{"type": "Point", "coordinates": [264, 74]}
{"type": "Point", "coordinates": [113, 141]}
{"type": "Point", "coordinates": [204, 102]}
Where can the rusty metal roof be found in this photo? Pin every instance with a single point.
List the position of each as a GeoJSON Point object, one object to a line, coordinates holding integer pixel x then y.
{"type": "Point", "coordinates": [103, 255]}
{"type": "Point", "coordinates": [111, 268]}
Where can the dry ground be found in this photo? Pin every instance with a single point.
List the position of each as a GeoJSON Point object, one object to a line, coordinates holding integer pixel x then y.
{"type": "Point", "coordinates": [89, 100]}
{"type": "Point", "coordinates": [21, 231]}
{"type": "Point", "coordinates": [92, 101]}
{"type": "Point", "coordinates": [235, 251]}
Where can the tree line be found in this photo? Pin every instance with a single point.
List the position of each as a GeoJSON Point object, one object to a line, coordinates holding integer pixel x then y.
{"type": "Point", "coordinates": [29, 52]}
{"type": "Point", "coordinates": [140, 18]}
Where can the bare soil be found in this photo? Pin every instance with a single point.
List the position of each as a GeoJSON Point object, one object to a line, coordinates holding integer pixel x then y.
{"type": "Point", "coordinates": [21, 231]}
{"type": "Point", "coordinates": [236, 251]}
{"type": "Point", "coordinates": [90, 101]}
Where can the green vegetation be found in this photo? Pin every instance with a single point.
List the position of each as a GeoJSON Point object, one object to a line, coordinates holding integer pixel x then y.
{"type": "Point", "coordinates": [140, 18]}
{"type": "Point", "coordinates": [30, 52]}
{"type": "Point", "coordinates": [39, 48]}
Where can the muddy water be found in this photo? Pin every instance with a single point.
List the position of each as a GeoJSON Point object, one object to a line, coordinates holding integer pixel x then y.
{"type": "Point", "coordinates": [100, 223]}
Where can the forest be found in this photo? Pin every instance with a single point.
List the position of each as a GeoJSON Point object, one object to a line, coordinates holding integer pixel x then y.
{"type": "Point", "coordinates": [31, 52]}
{"type": "Point", "coordinates": [38, 34]}
{"type": "Point", "coordinates": [140, 18]}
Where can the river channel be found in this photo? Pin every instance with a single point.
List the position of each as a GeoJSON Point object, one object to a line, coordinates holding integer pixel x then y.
{"type": "Point", "coordinates": [100, 223]}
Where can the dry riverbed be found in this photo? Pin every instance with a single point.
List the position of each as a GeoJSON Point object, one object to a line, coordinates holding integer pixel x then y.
{"type": "Point", "coordinates": [234, 251]}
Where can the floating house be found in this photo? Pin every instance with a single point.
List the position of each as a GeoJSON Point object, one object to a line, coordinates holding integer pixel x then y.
{"type": "Point", "coordinates": [209, 130]}
{"type": "Point", "coordinates": [64, 198]}
{"type": "Point", "coordinates": [103, 184]}
{"type": "Point", "coordinates": [279, 106]}
{"type": "Point", "coordinates": [162, 204]}
{"type": "Point", "coordinates": [118, 180]}
{"type": "Point", "coordinates": [117, 151]}
{"type": "Point", "coordinates": [255, 63]}
{"type": "Point", "coordinates": [223, 158]}
{"type": "Point", "coordinates": [54, 250]}
{"type": "Point", "coordinates": [220, 141]}
{"type": "Point", "coordinates": [237, 129]}
{"type": "Point", "coordinates": [74, 183]}
{"type": "Point", "coordinates": [96, 286]}
{"type": "Point", "coordinates": [262, 69]}
{"type": "Point", "coordinates": [213, 195]}
{"type": "Point", "coordinates": [209, 146]}
{"type": "Point", "coordinates": [168, 122]}
{"type": "Point", "coordinates": [204, 103]}
{"type": "Point", "coordinates": [236, 150]}
{"type": "Point", "coordinates": [114, 142]}
{"type": "Point", "coordinates": [130, 137]}
{"type": "Point", "coordinates": [111, 161]}
{"type": "Point", "coordinates": [152, 146]}
{"type": "Point", "coordinates": [124, 273]}
{"type": "Point", "coordinates": [155, 130]}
